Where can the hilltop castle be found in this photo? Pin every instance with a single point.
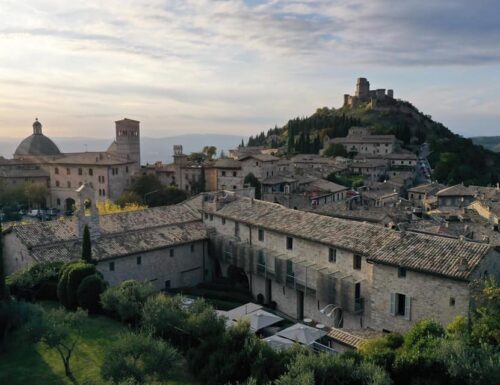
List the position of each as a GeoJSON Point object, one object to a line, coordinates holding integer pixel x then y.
{"type": "Point", "coordinates": [363, 94]}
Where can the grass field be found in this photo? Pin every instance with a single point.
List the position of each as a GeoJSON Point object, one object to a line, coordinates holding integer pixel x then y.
{"type": "Point", "coordinates": [26, 363]}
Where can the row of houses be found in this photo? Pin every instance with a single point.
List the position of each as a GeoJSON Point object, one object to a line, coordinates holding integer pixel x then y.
{"type": "Point", "coordinates": [339, 272]}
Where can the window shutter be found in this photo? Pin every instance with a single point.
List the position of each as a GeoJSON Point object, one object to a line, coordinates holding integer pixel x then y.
{"type": "Point", "coordinates": [393, 304]}
{"type": "Point", "coordinates": [407, 307]}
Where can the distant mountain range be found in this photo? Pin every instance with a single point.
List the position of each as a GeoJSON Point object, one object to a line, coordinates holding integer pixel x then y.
{"type": "Point", "coordinates": [152, 149]}
{"type": "Point", "coordinates": [491, 143]}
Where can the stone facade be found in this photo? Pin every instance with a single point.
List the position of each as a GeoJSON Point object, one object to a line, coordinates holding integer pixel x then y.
{"type": "Point", "coordinates": [109, 172]}
{"type": "Point", "coordinates": [361, 141]}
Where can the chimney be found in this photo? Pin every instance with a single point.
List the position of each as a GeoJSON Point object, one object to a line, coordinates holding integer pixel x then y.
{"type": "Point", "coordinates": [463, 265]}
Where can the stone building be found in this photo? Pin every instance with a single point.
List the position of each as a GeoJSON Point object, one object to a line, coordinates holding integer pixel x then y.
{"type": "Point", "coordinates": [224, 174]}
{"type": "Point", "coordinates": [361, 141]}
{"type": "Point", "coordinates": [164, 245]}
{"type": "Point", "coordinates": [37, 158]}
{"type": "Point", "coordinates": [260, 165]}
{"type": "Point", "coordinates": [344, 273]}
{"type": "Point", "coordinates": [339, 272]}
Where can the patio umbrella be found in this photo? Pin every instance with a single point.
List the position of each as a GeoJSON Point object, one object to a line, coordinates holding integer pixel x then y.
{"type": "Point", "coordinates": [240, 311]}
{"type": "Point", "coordinates": [260, 319]}
{"type": "Point", "coordinates": [302, 333]}
{"type": "Point", "coordinates": [277, 342]}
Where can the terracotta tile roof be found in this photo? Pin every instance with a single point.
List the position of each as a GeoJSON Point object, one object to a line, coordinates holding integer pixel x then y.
{"type": "Point", "coordinates": [425, 253]}
{"type": "Point", "coordinates": [118, 245]}
{"type": "Point", "coordinates": [53, 232]}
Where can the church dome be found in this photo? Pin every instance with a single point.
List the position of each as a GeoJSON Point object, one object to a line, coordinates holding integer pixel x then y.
{"type": "Point", "coordinates": [37, 144]}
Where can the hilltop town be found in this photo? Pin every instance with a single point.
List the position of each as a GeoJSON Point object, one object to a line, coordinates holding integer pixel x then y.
{"type": "Point", "coordinates": [355, 236]}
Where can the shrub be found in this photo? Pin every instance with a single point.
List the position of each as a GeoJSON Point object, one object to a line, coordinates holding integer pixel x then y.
{"type": "Point", "coordinates": [14, 315]}
{"type": "Point", "coordinates": [127, 299]}
{"type": "Point", "coordinates": [37, 282]}
{"type": "Point", "coordinates": [139, 357]}
{"type": "Point", "coordinates": [89, 293]}
{"type": "Point", "coordinates": [76, 274]}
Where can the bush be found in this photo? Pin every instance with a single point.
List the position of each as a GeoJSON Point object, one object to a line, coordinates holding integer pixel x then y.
{"type": "Point", "coordinates": [139, 357]}
{"type": "Point", "coordinates": [14, 315]}
{"type": "Point", "coordinates": [37, 282]}
{"type": "Point", "coordinates": [76, 274]}
{"type": "Point", "coordinates": [89, 293]}
{"type": "Point", "coordinates": [126, 300]}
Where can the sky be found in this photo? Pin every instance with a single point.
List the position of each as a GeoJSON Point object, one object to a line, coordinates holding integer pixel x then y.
{"type": "Point", "coordinates": [240, 66]}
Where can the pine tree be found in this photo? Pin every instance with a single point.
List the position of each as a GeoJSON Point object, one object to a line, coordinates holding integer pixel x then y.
{"type": "Point", "coordinates": [86, 245]}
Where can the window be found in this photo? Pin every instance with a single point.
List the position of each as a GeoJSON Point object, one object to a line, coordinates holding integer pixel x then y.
{"type": "Point", "coordinates": [223, 221]}
{"type": "Point", "coordinates": [139, 260]}
{"type": "Point", "coordinates": [103, 192]}
{"type": "Point", "coordinates": [111, 266]}
{"type": "Point", "coordinates": [56, 171]}
{"type": "Point", "coordinates": [126, 169]}
{"type": "Point", "coordinates": [91, 172]}
{"type": "Point", "coordinates": [58, 202]}
{"type": "Point", "coordinates": [452, 301]}
{"type": "Point", "coordinates": [223, 173]}
{"type": "Point", "coordinates": [206, 215]}
{"type": "Point", "coordinates": [332, 255]}
{"type": "Point", "coordinates": [401, 272]}
{"type": "Point", "coordinates": [192, 247]}
{"type": "Point", "coordinates": [401, 305]}
{"type": "Point", "coordinates": [171, 252]}
{"type": "Point", "coordinates": [357, 262]}
{"type": "Point", "coordinates": [68, 171]}
{"type": "Point", "coordinates": [211, 217]}
{"type": "Point", "coordinates": [235, 187]}
{"type": "Point", "coordinates": [167, 285]}
{"type": "Point", "coordinates": [261, 262]}
{"type": "Point", "coordinates": [57, 183]}
{"type": "Point", "coordinates": [80, 171]}
{"type": "Point", "coordinates": [289, 243]}
{"type": "Point", "coordinates": [261, 235]}
{"type": "Point", "coordinates": [235, 173]}
{"type": "Point", "coordinates": [236, 229]}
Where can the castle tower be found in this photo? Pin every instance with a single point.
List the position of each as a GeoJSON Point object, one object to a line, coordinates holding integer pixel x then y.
{"type": "Point", "coordinates": [128, 140]}
{"type": "Point", "coordinates": [362, 89]}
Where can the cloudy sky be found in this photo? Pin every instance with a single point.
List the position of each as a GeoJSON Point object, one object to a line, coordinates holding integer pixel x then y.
{"type": "Point", "coordinates": [240, 66]}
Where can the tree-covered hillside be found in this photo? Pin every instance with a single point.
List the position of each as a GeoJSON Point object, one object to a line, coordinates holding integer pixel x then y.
{"type": "Point", "coordinates": [454, 159]}
{"type": "Point", "coordinates": [489, 142]}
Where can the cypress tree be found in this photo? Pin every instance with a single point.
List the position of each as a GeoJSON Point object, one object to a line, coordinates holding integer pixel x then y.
{"type": "Point", "coordinates": [3, 286]}
{"type": "Point", "coordinates": [86, 245]}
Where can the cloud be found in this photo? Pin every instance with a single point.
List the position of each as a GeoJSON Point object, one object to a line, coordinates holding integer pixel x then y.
{"type": "Point", "coordinates": [225, 62]}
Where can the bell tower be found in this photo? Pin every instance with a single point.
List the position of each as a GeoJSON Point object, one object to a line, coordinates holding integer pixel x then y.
{"type": "Point", "coordinates": [128, 140]}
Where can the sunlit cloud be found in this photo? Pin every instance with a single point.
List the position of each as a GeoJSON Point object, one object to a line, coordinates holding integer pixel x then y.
{"type": "Point", "coordinates": [232, 65]}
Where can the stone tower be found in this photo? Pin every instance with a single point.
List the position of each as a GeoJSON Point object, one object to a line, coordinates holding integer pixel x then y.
{"type": "Point", "coordinates": [86, 198]}
{"type": "Point", "coordinates": [362, 89]}
{"type": "Point", "coordinates": [128, 140]}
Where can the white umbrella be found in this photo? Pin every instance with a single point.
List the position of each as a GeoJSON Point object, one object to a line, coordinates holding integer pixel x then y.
{"type": "Point", "coordinates": [240, 311]}
{"type": "Point", "coordinates": [277, 342]}
{"type": "Point", "coordinates": [260, 319]}
{"type": "Point", "coordinates": [302, 333]}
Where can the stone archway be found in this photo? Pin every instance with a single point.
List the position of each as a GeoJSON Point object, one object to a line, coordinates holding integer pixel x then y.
{"type": "Point", "coordinates": [70, 204]}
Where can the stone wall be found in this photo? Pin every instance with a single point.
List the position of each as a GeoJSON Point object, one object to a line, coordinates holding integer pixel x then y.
{"type": "Point", "coordinates": [432, 297]}
{"type": "Point", "coordinates": [185, 268]}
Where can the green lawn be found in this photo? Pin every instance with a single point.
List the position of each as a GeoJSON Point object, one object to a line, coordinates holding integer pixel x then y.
{"type": "Point", "coordinates": [35, 364]}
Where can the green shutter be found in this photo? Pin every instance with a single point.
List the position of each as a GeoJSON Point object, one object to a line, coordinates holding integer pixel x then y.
{"type": "Point", "coordinates": [407, 307]}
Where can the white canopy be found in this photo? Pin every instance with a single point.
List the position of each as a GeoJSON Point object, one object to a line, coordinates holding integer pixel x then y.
{"type": "Point", "coordinates": [260, 319]}
{"type": "Point", "coordinates": [240, 311]}
{"type": "Point", "coordinates": [302, 333]}
{"type": "Point", "coordinates": [277, 342]}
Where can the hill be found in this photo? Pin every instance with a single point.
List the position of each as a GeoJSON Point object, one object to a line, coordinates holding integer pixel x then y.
{"type": "Point", "coordinates": [491, 143]}
{"type": "Point", "coordinates": [454, 158]}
